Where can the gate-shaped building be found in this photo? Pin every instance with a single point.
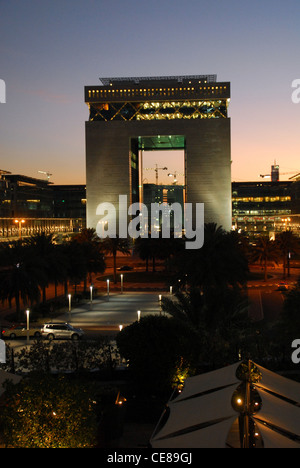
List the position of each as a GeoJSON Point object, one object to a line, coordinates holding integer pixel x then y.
{"type": "Point", "coordinates": [130, 115]}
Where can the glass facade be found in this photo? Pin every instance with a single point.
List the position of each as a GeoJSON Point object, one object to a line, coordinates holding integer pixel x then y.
{"type": "Point", "coordinates": [25, 196]}
{"type": "Point", "coordinates": [195, 97]}
{"type": "Point", "coordinates": [251, 198]}
{"type": "Point", "coordinates": [40, 206]}
{"type": "Point", "coordinates": [264, 207]}
{"type": "Point", "coordinates": [159, 110]}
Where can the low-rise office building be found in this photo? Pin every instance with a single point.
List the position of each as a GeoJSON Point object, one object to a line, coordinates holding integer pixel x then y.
{"type": "Point", "coordinates": [265, 207]}
{"type": "Point", "coordinates": [257, 207]}
{"type": "Point", "coordinates": [29, 206]}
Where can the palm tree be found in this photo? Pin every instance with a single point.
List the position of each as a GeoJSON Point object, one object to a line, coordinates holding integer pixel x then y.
{"type": "Point", "coordinates": [86, 235]}
{"type": "Point", "coordinates": [20, 274]}
{"type": "Point", "coordinates": [187, 306]}
{"type": "Point", "coordinates": [288, 244]}
{"type": "Point", "coordinates": [157, 248]}
{"type": "Point", "coordinates": [59, 267]}
{"type": "Point", "coordinates": [289, 322]}
{"type": "Point", "coordinates": [264, 251]}
{"type": "Point", "coordinates": [113, 245]}
{"type": "Point", "coordinates": [142, 247]}
{"type": "Point", "coordinates": [75, 264]}
{"type": "Point", "coordinates": [221, 320]}
{"type": "Point", "coordinates": [219, 263]}
{"type": "Point", "coordinates": [90, 245]}
{"type": "Point", "coordinates": [43, 249]}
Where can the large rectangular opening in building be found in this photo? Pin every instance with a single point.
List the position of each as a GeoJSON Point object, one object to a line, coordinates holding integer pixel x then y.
{"type": "Point", "coordinates": [158, 171]}
{"type": "Point", "coordinates": [162, 164]}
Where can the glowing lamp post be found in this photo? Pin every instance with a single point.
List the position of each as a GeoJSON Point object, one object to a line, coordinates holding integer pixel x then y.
{"type": "Point", "coordinates": [121, 284]}
{"type": "Point", "coordinates": [69, 297]}
{"type": "Point", "coordinates": [20, 222]}
{"type": "Point", "coordinates": [107, 289]}
{"type": "Point", "coordinates": [27, 327]}
{"type": "Point", "coordinates": [159, 298]}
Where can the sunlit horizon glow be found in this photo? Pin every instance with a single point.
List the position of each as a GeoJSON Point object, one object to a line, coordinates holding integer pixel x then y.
{"type": "Point", "coordinates": [51, 50]}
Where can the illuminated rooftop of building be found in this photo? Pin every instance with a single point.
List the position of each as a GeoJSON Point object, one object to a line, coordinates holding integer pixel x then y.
{"type": "Point", "coordinates": [149, 79]}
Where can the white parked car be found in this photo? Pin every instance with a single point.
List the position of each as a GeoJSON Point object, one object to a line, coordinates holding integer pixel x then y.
{"type": "Point", "coordinates": [63, 331]}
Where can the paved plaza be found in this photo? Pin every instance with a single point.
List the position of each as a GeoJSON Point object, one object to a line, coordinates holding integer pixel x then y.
{"type": "Point", "coordinates": [113, 310]}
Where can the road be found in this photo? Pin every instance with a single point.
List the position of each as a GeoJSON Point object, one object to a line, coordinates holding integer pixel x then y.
{"type": "Point", "coordinates": [265, 304]}
{"type": "Point", "coordinates": [265, 299]}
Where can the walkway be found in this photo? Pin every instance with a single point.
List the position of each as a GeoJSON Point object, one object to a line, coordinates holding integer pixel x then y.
{"type": "Point", "coordinates": [114, 310]}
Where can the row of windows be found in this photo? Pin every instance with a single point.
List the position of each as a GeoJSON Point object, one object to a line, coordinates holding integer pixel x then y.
{"type": "Point", "coordinates": [261, 219]}
{"type": "Point", "coordinates": [261, 212]}
{"type": "Point", "coordinates": [102, 93]}
{"type": "Point", "coordinates": [261, 199]}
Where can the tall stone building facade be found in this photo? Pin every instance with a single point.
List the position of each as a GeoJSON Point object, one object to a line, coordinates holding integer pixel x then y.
{"type": "Point", "coordinates": [130, 115]}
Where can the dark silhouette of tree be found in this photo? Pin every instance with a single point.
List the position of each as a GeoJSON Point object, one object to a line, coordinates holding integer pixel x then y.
{"type": "Point", "coordinates": [59, 269]}
{"type": "Point", "coordinates": [288, 326]}
{"type": "Point", "coordinates": [291, 308]}
{"type": "Point", "coordinates": [220, 319]}
{"type": "Point", "coordinates": [187, 306]}
{"type": "Point", "coordinates": [20, 275]}
{"type": "Point", "coordinates": [157, 248]}
{"type": "Point", "coordinates": [92, 253]}
{"type": "Point", "coordinates": [155, 347]}
{"type": "Point", "coordinates": [265, 251]}
{"type": "Point", "coordinates": [219, 263]}
{"type": "Point", "coordinates": [288, 243]}
{"type": "Point", "coordinates": [75, 262]}
{"type": "Point", "coordinates": [113, 245]}
{"type": "Point", "coordinates": [43, 248]}
{"type": "Point", "coordinates": [142, 247]}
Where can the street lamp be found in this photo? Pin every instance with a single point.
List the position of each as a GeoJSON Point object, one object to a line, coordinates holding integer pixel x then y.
{"type": "Point", "coordinates": [2, 352]}
{"type": "Point", "coordinates": [121, 284]}
{"type": "Point", "coordinates": [27, 328]}
{"type": "Point", "coordinates": [69, 296]}
{"type": "Point", "coordinates": [139, 315]}
{"type": "Point", "coordinates": [107, 281]}
{"type": "Point", "coordinates": [159, 298]}
{"type": "Point", "coordinates": [91, 293]}
{"type": "Point", "coordinates": [20, 222]}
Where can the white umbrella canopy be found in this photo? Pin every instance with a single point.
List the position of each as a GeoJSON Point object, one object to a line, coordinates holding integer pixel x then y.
{"type": "Point", "coordinates": [202, 415]}
{"type": "Point", "coordinates": [273, 439]}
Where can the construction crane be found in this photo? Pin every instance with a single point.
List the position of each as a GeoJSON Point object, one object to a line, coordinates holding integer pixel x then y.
{"type": "Point", "coordinates": [295, 176]}
{"type": "Point", "coordinates": [47, 174]}
{"type": "Point", "coordinates": [264, 176]}
{"type": "Point", "coordinates": [275, 173]}
{"type": "Point", "coordinates": [156, 169]}
{"type": "Point", "coordinates": [175, 176]}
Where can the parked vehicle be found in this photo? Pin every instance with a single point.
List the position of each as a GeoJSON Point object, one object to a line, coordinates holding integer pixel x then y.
{"type": "Point", "coordinates": [282, 286]}
{"type": "Point", "coordinates": [62, 331]}
{"type": "Point", "coordinates": [20, 331]}
{"type": "Point", "coordinates": [125, 268]}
